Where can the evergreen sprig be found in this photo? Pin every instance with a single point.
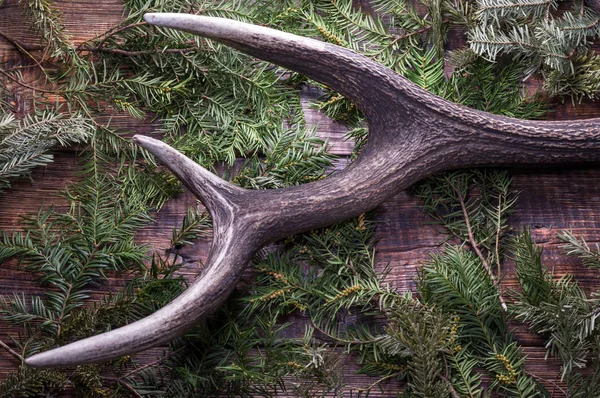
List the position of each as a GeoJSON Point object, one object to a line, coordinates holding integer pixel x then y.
{"type": "Point", "coordinates": [26, 144]}
{"type": "Point", "coordinates": [581, 249]}
{"type": "Point", "coordinates": [560, 310]}
{"type": "Point", "coordinates": [554, 43]}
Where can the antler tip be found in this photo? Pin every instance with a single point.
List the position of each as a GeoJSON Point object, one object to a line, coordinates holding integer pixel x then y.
{"type": "Point", "coordinates": [138, 139]}
{"type": "Point", "coordinates": [149, 144]}
{"type": "Point", "coordinates": [41, 360]}
{"type": "Point", "coordinates": [177, 20]}
{"type": "Point", "coordinates": [151, 16]}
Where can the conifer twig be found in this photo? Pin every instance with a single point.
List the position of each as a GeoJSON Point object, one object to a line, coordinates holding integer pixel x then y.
{"type": "Point", "coordinates": [377, 382]}
{"type": "Point", "coordinates": [476, 249]}
{"type": "Point", "coordinates": [501, 6]}
{"type": "Point", "coordinates": [11, 351]}
{"type": "Point", "coordinates": [449, 384]}
{"type": "Point", "coordinates": [406, 36]}
{"type": "Point", "coordinates": [554, 384]}
{"type": "Point", "coordinates": [63, 309]}
{"type": "Point", "coordinates": [129, 388]}
{"type": "Point", "coordinates": [116, 30]}
{"type": "Point", "coordinates": [498, 230]}
{"type": "Point", "coordinates": [20, 83]}
{"type": "Point", "coordinates": [26, 48]}
{"type": "Point", "coordinates": [141, 52]}
{"type": "Point", "coordinates": [151, 364]}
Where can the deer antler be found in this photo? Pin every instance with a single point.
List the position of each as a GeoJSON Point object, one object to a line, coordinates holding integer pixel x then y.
{"type": "Point", "coordinates": [412, 134]}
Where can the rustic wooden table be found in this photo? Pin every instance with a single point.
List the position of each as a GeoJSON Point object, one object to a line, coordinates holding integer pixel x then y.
{"type": "Point", "coordinates": [549, 199]}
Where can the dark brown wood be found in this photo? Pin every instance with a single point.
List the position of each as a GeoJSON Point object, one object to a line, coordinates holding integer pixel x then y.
{"type": "Point", "coordinates": [412, 134]}
{"type": "Point", "coordinates": [549, 200]}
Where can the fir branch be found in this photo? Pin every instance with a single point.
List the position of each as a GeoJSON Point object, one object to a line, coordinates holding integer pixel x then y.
{"type": "Point", "coordinates": [12, 352]}
{"type": "Point", "coordinates": [580, 248]}
{"type": "Point", "coordinates": [426, 334]}
{"type": "Point", "coordinates": [424, 68]}
{"type": "Point", "coordinates": [126, 53]}
{"type": "Point", "coordinates": [490, 42]}
{"type": "Point", "coordinates": [29, 382]}
{"type": "Point", "coordinates": [499, 10]}
{"type": "Point", "coordinates": [465, 380]}
{"type": "Point", "coordinates": [46, 21]}
{"type": "Point", "coordinates": [558, 309]}
{"type": "Point", "coordinates": [25, 144]}
{"type": "Point", "coordinates": [475, 246]}
{"type": "Point", "coordinates": [196, 224]}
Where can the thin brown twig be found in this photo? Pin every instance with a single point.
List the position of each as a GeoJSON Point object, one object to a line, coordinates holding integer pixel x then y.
{"type": "Point", "coordinates": [138, 53]}
{"type": "Point", "coordinates": [562, 390]}
{"type": "Point", "coordinates": [475, 247]}
{"type": "Point", "coordinates": [27, 85]}
{"type": "Point", "coordinates": [498, 230]}
{"type": "Point", "coordinates": [410, 34]}
{"type": "Point", "coordinates": [11, 351]}
{"type": "Point", "coordinates": [22, 47]}
{"type": "Point", "coordinates": [26, 48]}
{"type": "Point", "coordinates": [406, 36]}
{"type": "Point", "coordinates": [21, 67]}
{"type": "Point", "coordinates": [121, 380]}
{"type": "Point", "coordinates": [339, 339]}
{"type": "Point", "coordinates": [116, 30]}
{"type": "Point", "coordinates": [129, 388]}
{"type": "Point", "coordinates": [148, 365]}
{"type": "Point", "coordinates": [416, 32]}
{"type": "Point", "coordinates": [449, 384]}
{"type": "Point", "coordinates": [376, 382]}
{"type": "Point", "coordinates": [19, 44]}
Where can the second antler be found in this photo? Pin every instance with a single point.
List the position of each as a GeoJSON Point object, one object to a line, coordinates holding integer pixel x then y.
{"type": "Point", "coordinates": [412, 134]}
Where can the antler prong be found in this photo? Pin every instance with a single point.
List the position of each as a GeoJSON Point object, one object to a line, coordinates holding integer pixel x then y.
{"type": "Point", "coordinates": [214, 192]}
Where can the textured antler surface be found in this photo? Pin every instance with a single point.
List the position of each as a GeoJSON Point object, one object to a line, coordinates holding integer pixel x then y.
{"type": "Point", "coordinates": [412, 134]}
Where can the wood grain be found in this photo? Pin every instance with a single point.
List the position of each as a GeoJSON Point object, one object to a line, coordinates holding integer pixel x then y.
{"type": "Point", "coordinates": [549, 200]}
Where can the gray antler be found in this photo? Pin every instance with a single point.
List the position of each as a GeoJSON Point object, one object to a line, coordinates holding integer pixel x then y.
{"type": "Point", "coordinates": [412, 135]}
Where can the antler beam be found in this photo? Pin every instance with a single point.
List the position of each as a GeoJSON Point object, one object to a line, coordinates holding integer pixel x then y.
{"type": "Point", "coordinates": [412, 134]}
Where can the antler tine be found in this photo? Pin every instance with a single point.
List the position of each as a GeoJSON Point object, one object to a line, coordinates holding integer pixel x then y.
{"type": "Point", "coordinates": [358, 78]}
{"type": "Point", "coordinates": [233, 247]}
{"type": "Point", "coordinates": [224, 264]}
{"type": "Point", "coordinates": [214, 192]}
{"type": "Point", "coordinates": [412, 135]}
{"type": "Point", "coordinates": [395, 107]}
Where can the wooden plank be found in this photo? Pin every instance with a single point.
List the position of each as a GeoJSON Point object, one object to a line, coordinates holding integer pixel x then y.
{"type": "Point", "coordinates": [550, 200]}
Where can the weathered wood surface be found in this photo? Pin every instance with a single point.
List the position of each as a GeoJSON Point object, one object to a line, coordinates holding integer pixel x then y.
{"type": "Point", "coordinates": [549, 200]}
